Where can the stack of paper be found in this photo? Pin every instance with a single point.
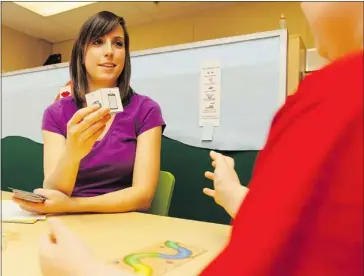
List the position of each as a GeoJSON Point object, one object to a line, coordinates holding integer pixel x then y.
{"type": "Point", "coordinates": [11, 212]}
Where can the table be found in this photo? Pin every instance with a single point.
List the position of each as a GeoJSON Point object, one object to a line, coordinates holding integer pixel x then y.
{"type": "Point", "coordinates": [112, 236]}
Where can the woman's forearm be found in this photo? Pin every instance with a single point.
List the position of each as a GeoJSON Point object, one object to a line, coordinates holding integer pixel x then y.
{"type": "Point", "coordinates": [128, 199]}
{"type": "Point", "coordinates": [63, 177]}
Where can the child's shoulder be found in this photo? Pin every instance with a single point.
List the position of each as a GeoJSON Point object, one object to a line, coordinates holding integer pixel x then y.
{"type": "Point", "coordinates": [339, 82]}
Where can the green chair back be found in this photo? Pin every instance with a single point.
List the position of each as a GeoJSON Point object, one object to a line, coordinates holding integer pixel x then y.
{"type": "Point", "coordinates": [163, 194]}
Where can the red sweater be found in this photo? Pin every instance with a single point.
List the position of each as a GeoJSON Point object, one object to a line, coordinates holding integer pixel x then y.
{"type": "Point", "coordinates": [303, 215]}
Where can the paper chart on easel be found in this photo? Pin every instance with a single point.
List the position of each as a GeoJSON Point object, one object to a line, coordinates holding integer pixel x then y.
{"type": "Point", "coordinates": [210, 93]}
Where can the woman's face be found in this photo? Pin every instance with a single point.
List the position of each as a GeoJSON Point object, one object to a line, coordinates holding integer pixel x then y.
{"type": "Point", "coordinates": [105, 59]}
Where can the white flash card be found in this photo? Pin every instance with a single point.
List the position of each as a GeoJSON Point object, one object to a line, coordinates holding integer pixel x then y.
{"type": "Point", "coordinates": [106, 97]}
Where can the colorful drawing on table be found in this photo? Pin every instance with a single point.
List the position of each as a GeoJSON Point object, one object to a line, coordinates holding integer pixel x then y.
{"type": "Point", "coordinates": [159, 259]}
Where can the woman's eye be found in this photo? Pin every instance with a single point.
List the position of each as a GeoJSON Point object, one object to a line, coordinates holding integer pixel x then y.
{"type": "Point", "coordinates": [119, 43]}
{"type": "Point", "coordinates": [97, 42]}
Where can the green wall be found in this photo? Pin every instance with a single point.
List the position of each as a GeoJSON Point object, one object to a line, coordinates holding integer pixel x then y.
{"type": "Point", "coordinates": [21, 163]}
{"type": "Point", "coordinates": [22, 167]}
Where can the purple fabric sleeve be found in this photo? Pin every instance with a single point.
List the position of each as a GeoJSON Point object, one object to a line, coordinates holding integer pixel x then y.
{"type": "Point", "coordinates": [49, 122]}
{"type": "Point", "coordinates": [150, 116]}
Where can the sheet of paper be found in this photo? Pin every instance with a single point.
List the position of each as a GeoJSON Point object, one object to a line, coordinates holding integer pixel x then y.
{"type": "Point", "coordinates": [11, 212]}
{"type": "Point", "coordinates": [210, 91]}
{"type": "Point", "coordinates": [207, 132]}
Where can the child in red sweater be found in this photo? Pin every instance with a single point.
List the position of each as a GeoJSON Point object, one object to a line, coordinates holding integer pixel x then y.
{"type": "Point", "coordinates": [303, 211]}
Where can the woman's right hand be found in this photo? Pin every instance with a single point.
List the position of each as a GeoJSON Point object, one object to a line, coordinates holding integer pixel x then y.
{"type": "Point", "coordinates": [84, 128]}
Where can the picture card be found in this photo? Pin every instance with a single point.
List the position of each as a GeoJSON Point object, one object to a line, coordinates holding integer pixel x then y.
{"type": "Point", "coordinates": [106, 97]}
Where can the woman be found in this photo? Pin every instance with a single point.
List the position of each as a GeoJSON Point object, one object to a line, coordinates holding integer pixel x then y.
{"type": "Point", "coordinates": [95, 161]}
{"type": "Point", "coordinates": [303, 214]}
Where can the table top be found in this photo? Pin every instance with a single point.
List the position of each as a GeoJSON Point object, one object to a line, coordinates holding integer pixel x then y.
{"type": "Point", "coordinates": [113, 236]}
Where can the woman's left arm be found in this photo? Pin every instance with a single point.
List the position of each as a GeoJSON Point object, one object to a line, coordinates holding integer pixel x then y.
{"type": "Point", "coordinates": [145, 180]}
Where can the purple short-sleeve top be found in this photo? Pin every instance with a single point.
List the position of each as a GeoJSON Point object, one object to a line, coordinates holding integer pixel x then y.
{"type": "Point", "coordinates": [109, 165]}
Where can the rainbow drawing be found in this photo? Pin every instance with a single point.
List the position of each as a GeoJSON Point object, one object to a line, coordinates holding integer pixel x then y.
{"type": "Point", "coordinates": [152, 263]}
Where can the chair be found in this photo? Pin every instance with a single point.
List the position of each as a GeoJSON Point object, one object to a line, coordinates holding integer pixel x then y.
{"type": "Point", "coordinates": [163, 194]}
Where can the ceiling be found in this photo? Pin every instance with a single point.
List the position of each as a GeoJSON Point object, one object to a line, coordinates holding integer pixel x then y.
{"type": "Point", "coordinates": [65, 26]}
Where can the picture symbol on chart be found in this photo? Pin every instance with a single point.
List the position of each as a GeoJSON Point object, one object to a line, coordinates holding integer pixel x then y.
{"type": "Point", "coordinates": [210, 97]}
